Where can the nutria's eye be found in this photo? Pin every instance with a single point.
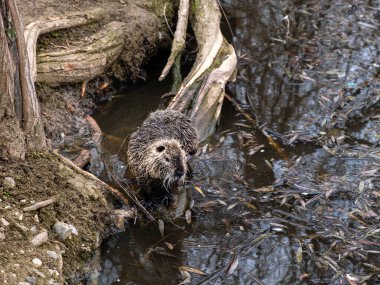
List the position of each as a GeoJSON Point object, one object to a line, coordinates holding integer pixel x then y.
{"type": "Point", "coordinates": [160, 148]}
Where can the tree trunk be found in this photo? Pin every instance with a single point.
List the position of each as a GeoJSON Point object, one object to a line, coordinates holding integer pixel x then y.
{"type": "Point", "coordinates": [20, 122]}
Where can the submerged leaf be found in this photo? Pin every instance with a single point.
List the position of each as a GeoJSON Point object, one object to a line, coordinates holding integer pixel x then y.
{"type": "Point", "coordinates": [233, 265]}
{"type": "Point", "coordinates": [191, 269]}
{"type": "Point", "coordinates": [188, 216]}
{"type": "Point", "coordinates": [161, 227]}
{"type": "Point", "coordinates": [231, 206]}
{"type": "Point", "coordinates": [299, 253]}
{"type": "Point", "coordinates": [169, 245]}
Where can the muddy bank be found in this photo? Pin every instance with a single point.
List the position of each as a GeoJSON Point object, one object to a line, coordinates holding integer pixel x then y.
{"type": "Point", "coordinates": [56, 257]}
{"type": "Point", "coordinates": [34, 251]}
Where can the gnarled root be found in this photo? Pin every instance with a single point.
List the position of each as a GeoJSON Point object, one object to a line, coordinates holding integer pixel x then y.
{"type": "Point", "coordinates": [202, 91]}
{"type": "Point", "coordinates": [36, 28]}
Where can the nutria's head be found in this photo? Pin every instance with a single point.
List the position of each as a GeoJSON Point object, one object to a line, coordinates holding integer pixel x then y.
{"type": "Point", "coordinates": [166, 160]}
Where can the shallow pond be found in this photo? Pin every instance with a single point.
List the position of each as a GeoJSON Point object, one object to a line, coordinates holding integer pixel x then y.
{"type": "Point", "coordinates": [284, 202]}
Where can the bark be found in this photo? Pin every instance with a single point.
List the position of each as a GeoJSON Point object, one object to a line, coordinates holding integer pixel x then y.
{"type": "Point", "coordinates": [201, 93]}
{"type": "Point", "coordinates": [83, 62]}
{"type": "Point", "coordinates": [20, 121]}
{"type": "Point", "coordinates": [42, 26]}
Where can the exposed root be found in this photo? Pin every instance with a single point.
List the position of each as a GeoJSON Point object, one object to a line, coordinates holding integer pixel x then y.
{"type": "Point", "coordinates": [202, 91]}
{"type": "Point", "coordinates": [179, 37]}
{"type": "Point", "coordinates": [43, 26]}
{"type": "Point", "coordinates": [84, 62]}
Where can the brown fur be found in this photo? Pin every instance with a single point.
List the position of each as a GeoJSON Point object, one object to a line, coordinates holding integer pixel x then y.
{"type": "Point", "coordinates": [158, 150]}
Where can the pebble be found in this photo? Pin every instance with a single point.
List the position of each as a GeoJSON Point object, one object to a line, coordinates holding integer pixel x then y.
{"type": "Point", "coordinates": [39, 239]}
{"type": "Point", "coordinates": [54, 273]}
{"type": "Point", "coordinates": [4, 222]}
{"type": "Point", "coordinates": [52, 254]}
{"type": "Point", "coordinates": [9, 183]}
{"type": "Point", "coordinates": [31, 280]}
{"type": "Point", "coordinates": [2, 236]}
{"type": "Point", "coordinates": [64, 230]}
{"type": "Point", "coordinates": [37, 262]}
{"type": "Point", "coordinates": [23, 283]}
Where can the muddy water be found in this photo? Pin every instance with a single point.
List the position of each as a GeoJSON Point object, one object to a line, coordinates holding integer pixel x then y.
{"type": "Point", "coordinates": [284, 203]}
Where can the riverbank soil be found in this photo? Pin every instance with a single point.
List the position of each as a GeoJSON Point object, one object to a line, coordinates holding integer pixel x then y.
{"type": "Point", "coordinates": [32, 249]}
{"type": "Point", "coordinates": [54, 243]}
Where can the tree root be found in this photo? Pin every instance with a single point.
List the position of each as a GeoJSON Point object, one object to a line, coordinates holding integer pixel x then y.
{"type": "Point", "coordinates": [83, 62]}
{"type": "Point", "coordinates": [179, 37]}
{"type": "Point", "coordinates": [202, 91]}
{"type": "Point", "coordinates": [36, 28]}
{"type": "Point", "coordinates": [90, 177]}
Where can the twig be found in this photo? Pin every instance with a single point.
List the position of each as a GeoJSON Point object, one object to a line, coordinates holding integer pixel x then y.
{"type": "Point", "coordinates": [40, 205]}
{"type": "Point", "coordinates": [129, 192]}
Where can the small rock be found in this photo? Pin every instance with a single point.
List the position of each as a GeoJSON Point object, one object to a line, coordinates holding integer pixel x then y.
{"type": "Point", "coordinates": [39, 239]}
{"type": "Point", "coordinates": [23, 283]}
{"type": "Point", "coordinates": [36, 219]}
{"type": "Point", "coordinates": [33, 229]}
{"type": "Point", "coordinates": [39, 273]}
{"type": "Point", "coordinates": [13, 278]}
{"type": "Point", "coordinates": [37, 262]}
{"type": "Point", "coordinates": [54, 273]}
{"type": "Point", "coordinates": [52, 254]}
{"type": "Point", "coordinates": [64, 230]}
{"type": "Point", "coordinates": [31, 280]}
{"type": "Point", "coordinates": [9, 183]}
{"type": "Point", "coordinates": [23, 201]}
{"type": "Point", "coordinates": [4, 222]}
{"type": "Point", "coordinates": [2, 236]}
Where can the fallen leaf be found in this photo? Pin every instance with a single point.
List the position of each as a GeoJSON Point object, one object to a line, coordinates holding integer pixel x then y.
{"type": "Point", "coordinates": [191, 269]}
{"type": "Point", "coordinates": [199, 190]}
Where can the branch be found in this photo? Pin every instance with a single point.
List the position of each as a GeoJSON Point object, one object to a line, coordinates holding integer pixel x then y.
{"type": "Point", "coordinates": [179, 37]}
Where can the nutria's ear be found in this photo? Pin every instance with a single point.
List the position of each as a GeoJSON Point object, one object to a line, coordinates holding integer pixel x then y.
{"type": "Point", "coordinates": [160, 148]}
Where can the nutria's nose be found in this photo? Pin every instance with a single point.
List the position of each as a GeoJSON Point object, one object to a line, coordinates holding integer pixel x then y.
{"type": "Point", "coordinates": [178, 174]}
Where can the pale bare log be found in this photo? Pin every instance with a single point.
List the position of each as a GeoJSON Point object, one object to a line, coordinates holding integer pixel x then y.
{"type": "Point", "coordinates": [179, 37]}
{"type": "Point", "coordinates": [42, 26]}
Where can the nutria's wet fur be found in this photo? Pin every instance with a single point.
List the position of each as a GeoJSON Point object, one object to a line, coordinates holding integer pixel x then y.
{"type": "Point", "coordinates": [157, 151]}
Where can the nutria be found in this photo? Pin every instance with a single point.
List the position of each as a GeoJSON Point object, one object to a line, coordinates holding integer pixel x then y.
{"type": "Point", "coordinates": [158, 149]}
